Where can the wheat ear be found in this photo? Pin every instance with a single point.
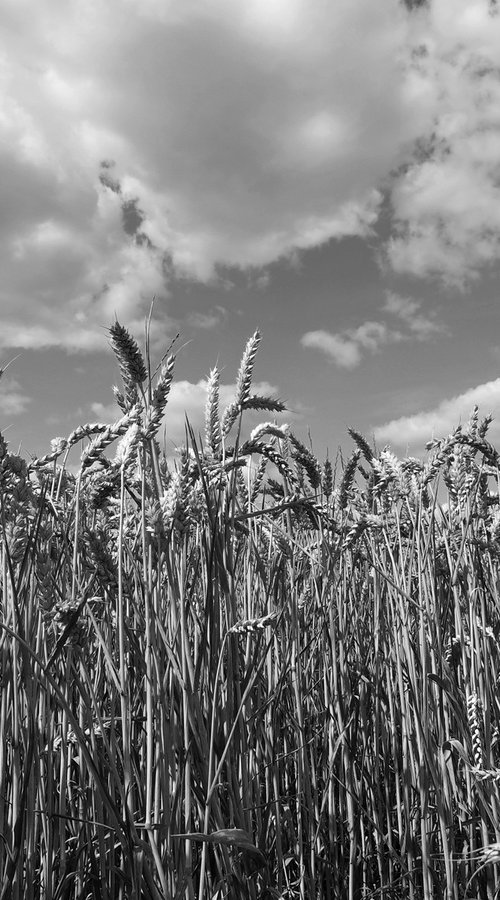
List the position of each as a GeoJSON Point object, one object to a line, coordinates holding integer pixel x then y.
{"type": "Point", "coordinates": [156, 409]}
{"type": "Point", "coordinates": [131, 364]}
{"type": "Point", "coordinates": [93, 452]}
{"type": "Point", "coordinates": [213, 436]}
{"type": "Point", "coordinates": [243, 384]}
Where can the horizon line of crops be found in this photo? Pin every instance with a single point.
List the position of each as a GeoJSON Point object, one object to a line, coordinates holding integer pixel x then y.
{"type": "Point", "coordinates": [248, 675]}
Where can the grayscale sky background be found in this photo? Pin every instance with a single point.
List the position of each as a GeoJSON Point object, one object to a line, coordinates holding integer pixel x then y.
{"type": "Point", "coordinates": [327, 172]}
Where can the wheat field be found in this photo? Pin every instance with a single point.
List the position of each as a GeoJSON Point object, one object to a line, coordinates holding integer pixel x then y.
{"type": "Point", "coordinates": [247, 673]}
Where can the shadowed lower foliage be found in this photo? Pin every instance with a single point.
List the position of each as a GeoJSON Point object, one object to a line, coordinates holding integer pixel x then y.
{"type": "Point", "coordinates": [247, 674]}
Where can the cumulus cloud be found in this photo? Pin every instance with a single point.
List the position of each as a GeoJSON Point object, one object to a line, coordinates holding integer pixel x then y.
{"type": "Point", "coordinates": [417, 429]}
{"type": "Point", "coordinates": [144, 138]}
{"type": "Point", "coordinates": [346, 348]}
{"type": "Point", "coordinates": [139, 140]}
{"type": "Point", "coordinates": [446, 201]}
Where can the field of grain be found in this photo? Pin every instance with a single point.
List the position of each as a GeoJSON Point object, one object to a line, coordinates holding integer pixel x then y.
{"type": "Point", "coordinates": [249, 673]}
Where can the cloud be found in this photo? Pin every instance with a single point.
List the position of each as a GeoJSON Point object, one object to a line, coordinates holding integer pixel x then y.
{"type": "Point", "coordinates": [407, 309]}
{"type": "Point", "coordinates": [207, 321]}
{"type": "Point", "coordinates": [12, 400]}
{"type": "Point", "coordinates": [340, 349]}
{"type": "Point", "coordinates": [159, 139]}
{"type": "Point", "coordinates": [151, 138]}
{"type": "Point", "coordinates": [446, 200]}
{"type": "Point", "coordinates": [417, 429]}
{"type": "Point", "coordinates": [346, 348]}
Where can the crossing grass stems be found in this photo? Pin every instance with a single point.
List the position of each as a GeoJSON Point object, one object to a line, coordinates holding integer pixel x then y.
{"type": "Point", "coordinates": [247, 674]}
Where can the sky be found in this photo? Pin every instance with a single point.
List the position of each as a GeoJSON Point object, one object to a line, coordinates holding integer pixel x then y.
{"type": "Point", "coordinates": [327, 173]}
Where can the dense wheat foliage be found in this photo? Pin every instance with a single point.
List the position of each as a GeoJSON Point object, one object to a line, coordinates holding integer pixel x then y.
{"type": "Point", "coordinates": [247, 674]}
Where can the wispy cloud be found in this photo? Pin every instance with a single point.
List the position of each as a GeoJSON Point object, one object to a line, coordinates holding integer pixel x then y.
{"type": "Point", "coordinates": [13, 402]}
{"type": "Point", "coordinates": [347, 348]}
{"type": "Point", "coordinates": [420, 326]}
{"type": "Point", "coordinates": [207, 321]}
{"type": "Point", "coordinates": [415, 430]}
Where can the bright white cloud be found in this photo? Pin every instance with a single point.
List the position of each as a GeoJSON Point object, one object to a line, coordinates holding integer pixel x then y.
{"type": "Point", "coordinates": [345, 352]}
{"type": "Point", "coordinates": [240, 131]}
{"type": "Point", "coordinates": [417, 429]}
{"type": "Point", "coordinates": [447, 201]}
